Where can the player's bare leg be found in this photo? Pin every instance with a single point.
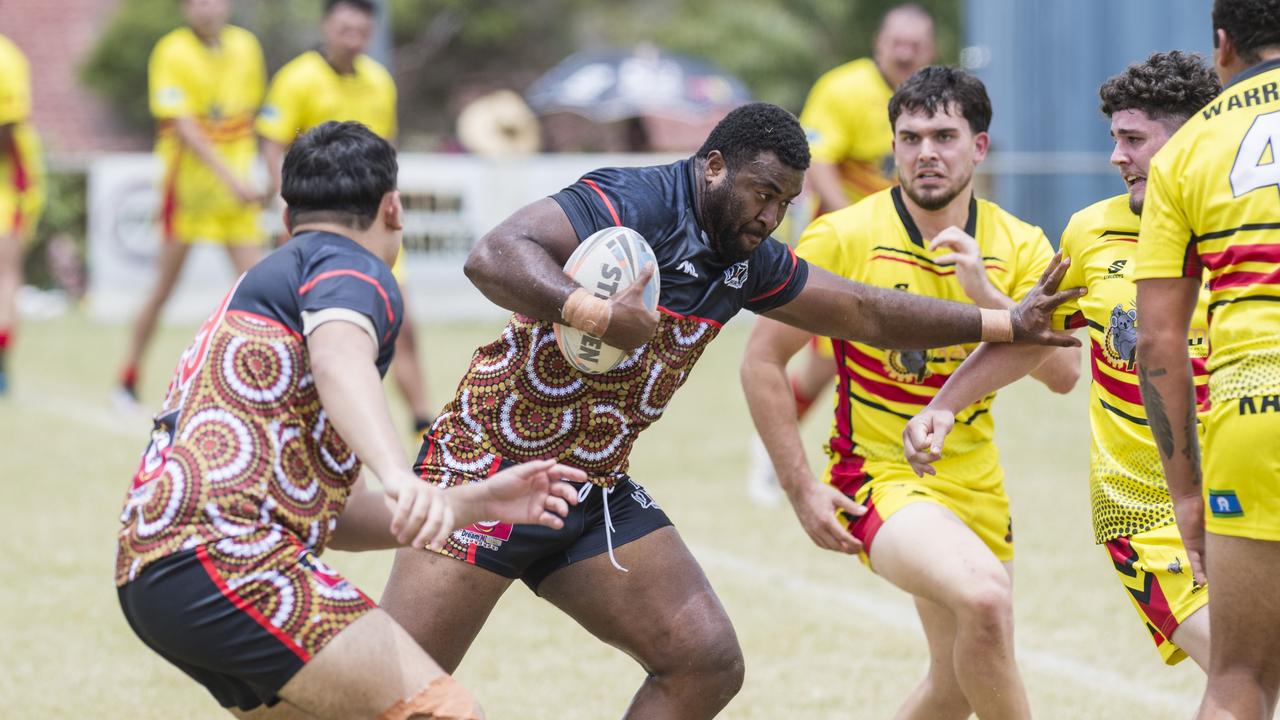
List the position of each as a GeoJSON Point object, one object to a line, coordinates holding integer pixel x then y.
{"type": "Point", "coordinates": [1192, 636]}
{"type": "Point", "coordinates": [664, 614]}
{"type": "Point", "coordinates": [410, 380]}
{"type": "Point", "coordinates": [1244, 667]}
{"type": "Point", "coordinates": [927, 551]}
{"type": "Point", "coordinates": [244, 257]}
{"type": "Point", "coordinates": [365, 670]}
{"type": "Point", "coordinates": [809, 381]}
{"type": "Point", "coordinates": [441, 602]}
{"type": "Point", "coordinates": [10, 281]}
{"type": "Point", "coordinates": [173, 255]}
{"type": "Point", "coordinates": [938, 696]}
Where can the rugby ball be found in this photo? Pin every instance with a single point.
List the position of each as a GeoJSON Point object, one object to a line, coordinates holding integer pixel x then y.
{"type": "Point", "coordinates": [605, 264]}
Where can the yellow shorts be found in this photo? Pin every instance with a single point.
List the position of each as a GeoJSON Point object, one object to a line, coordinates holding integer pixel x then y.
{"type": "Point", "coordinates": [885, 488]}
{"type": "Point", "coordinates": [20, 212]}
{"type": "Point", "coordinates": [197, 207]}
{"type": "Point", "coordinates": [1242, 468]}
{"type": "Point", "coordinates": [822, 347]}
{"type": "Point", "coordinates": [1153, 567]}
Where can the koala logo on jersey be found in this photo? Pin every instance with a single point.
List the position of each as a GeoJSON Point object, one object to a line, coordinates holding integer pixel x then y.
{"type": "Point", "coordinates": [910, 366]}
{"type": "Point", "coordinates": [735, 276]}
{"type": "Point", "coordinates": [1121, 342]}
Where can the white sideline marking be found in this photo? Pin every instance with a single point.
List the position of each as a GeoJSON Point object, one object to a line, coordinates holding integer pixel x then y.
{"type": "Point", "coordinates": [1053, 664]}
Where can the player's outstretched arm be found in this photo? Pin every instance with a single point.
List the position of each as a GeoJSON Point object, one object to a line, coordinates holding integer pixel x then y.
{"type": "Point", "coordinates": [519, 265]}
{"type": "Point", "coordinates": [835, 307]}
{"type": "Point", "coordinates": [1168, 395]}
{"type": "Point", "coordinates": [989, 368]}
{"type": "Point", "coordinates": [773, 409]}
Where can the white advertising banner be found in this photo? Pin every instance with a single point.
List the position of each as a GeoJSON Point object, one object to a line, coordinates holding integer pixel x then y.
{"type": "Point", "coordinates": [450, 201]}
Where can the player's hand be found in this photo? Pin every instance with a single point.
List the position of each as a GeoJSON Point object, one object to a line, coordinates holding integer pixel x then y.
{"type": "Point", "coordinates": [1189, 511]}
{"type": "Point", "coordinates": [922, 439]}
{"type": "Point", "coordinates": [966, 256]}
{"type": "Point", "coordinates": [1033, 317]}
{"type": "Point", "coordinates": [422, 514]}
{"type": "Point", "coordinates": [631, 324]}
{"type": "Point", "coordinates": [532, 493]}
{"type": "Point", "coordinates": [246, 192]}
{"type": "Point", "coordinates": [815, 504]}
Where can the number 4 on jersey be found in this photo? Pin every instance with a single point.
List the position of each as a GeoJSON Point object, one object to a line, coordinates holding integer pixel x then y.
{"type": "Point", "coordinates": [1256, 163]}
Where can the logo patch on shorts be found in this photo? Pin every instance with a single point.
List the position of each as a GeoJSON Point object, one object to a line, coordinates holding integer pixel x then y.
{"type": "Point", "coordinates": [1224, 503]}
{"type": "Point", "coordinates": [489, 535]}
{"type": "Point", "coordinates": [323, 574]}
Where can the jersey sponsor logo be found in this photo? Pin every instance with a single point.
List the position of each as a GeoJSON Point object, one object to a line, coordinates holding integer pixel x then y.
{"type": "Point", "coordinates": [1224, 503]}
{"type": "Point", "coordinates": [323, 574]}
{"type": "Point", "coordinates": [1116, 269]}
{"type": "Point", "coordinates": [1259, 404]}
{"type": "Point", "coordinates": [687, 268]}
{"type": "Point", "coordinates": [642, 498]}
{"type": "Point", "coordinates": [1120, 344]}
{"type": "Point", "coordinates": [158, 450]}
{"type": "Point", "coordinates": [911, 366]}
{"type": "Point", "coordinates": [735, 276]}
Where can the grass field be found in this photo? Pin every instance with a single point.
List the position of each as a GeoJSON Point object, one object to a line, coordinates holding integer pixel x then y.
{"type": "Point", "coordinates": [823, 637]}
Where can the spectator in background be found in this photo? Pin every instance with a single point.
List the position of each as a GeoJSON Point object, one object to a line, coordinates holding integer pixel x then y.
{"type": "Point", "coordinates": [206, 82]}
{"type": "Point", "coordinates": [21, 187]}
{"type": "Point", "coordinates": [340, 82]}
{"type": "Point", "coordinates": [846, 120]}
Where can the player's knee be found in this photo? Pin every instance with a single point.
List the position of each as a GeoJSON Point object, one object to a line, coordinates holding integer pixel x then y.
{"type": "Point", "coordinates": [710, 657]}
{"type": "Point", "coordinates": [988, 604]}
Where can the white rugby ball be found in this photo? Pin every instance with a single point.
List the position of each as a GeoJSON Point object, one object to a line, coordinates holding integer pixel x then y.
{"type": "Point", "coordinates": [605, 264]}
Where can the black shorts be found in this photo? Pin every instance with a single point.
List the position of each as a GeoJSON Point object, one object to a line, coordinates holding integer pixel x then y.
{"type": "Point", "coordinates": [241, 633]}
{"type": "Point", "coordinates": [532, 552]}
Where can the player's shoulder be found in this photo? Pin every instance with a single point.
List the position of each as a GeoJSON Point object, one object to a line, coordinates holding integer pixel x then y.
{"type": "Point", "coordinates": [858, 73]}
{"type": "Point", "coordinates": [1006, 223]}
{"type": "Point", "coordinates": [302, 68]}
{"type": "Point", "coordinates": [238, 39]}
{"type": "Point", "coordinates": [865, 214]}
{"type": "Point", "coordinates": [1109, 216]}
{"type": "Point", "coordinates": [178, 41]}
{"type": "Point", "coordinates": [9, 48]}
{"type": "Point", "coordinates": [373, 69]}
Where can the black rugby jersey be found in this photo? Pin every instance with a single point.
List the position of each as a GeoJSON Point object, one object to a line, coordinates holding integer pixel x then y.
{"type": "Point", "coordinates": [521, 400]}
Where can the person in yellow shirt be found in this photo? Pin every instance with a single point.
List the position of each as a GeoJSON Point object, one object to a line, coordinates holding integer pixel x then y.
{"type": "Point", "coordinates": [947, 539]}
{"type": "Point", "coordinates": [340, 82]}
{"type": "Point", "coordinates": [1212, 204]}
{"type": "Point", "coordinates": [851, 143]}
{"type": "Point", "coordinates": [21, 187]}
{"type": "Point", "coordinates": [206, 81]}
{"type": "Point", "coordinates": [1132, 511]}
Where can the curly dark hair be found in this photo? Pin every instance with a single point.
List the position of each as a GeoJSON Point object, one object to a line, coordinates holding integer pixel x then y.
{"type": "Point", "coordinates": [754, 128]}
{"type": "Point", "coordinates": [936, 88]}
{"type": "Point", "coordinates": [1254, 25]}
{"type": "Point", "coordinates": [1167, 86]}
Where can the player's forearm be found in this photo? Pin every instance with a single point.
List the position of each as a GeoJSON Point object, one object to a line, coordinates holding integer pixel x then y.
{"type": "Point", "coordinates": [365, 523]}
{"type": "Point", "coordinates": [514, 271]}
{"type": "Point", "coordinates": [351, 392]}
{"type": "Point", "coordinates": [773, 410]}
{"type": "Point", "coordinates": [273, 155]}
{"type": "Point", "coordinates": [1060, 370]}
{"type": "Point", "coordinates": [1168, 395]}
{"type": "Point", "coordinates": [194, 139]}
{"type": "Point", "coordinates": [896, 320]}
{"type": "Point", "coordinates": [824, 179]}
{"type": "Point", "coordinates": [989, 368]}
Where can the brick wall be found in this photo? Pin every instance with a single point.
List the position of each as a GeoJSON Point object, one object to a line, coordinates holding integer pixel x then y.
{"type": "Point", "coordinates": [56, 35]}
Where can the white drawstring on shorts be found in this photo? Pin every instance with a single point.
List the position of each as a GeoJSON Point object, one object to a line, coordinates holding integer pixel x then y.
{"type": "Point", "coordinates": [583, 492]}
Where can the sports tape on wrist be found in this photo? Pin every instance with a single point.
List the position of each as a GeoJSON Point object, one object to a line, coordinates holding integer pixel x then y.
{"type": "Point", "coordinates": [997, 325]}
{"type": "Point", "coordinates": [586, 312]}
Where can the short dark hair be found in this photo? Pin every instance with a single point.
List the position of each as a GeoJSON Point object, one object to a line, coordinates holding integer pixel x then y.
{"type": "Point", "coordinates": [1167, 86]}
{"type": "Point", "coordinates": [1253, 25]}
{"type": "Point", "coordinates": [935, 88]}
{"type": "Point", "coordinates": [366, 6]}
{"type": "Point", "coordinates": [754, 128]}
{"type": "Point", "coordinates": [338, 172]}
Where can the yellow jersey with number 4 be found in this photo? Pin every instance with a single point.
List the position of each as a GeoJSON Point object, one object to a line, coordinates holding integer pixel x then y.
{"type": "Point", "coordinates": [846, 119]}
{"type": "Point", "coordinates": [308, 92]}
{"type": "Point", "coordinates": [876, 242]}
{"type": "Point", "coordinates": [1126, 481]}
{"type": "Point", "coordinates": [1213, 204]}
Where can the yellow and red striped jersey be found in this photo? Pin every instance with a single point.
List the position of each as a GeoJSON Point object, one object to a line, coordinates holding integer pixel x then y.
{"type": "Point", "coordinates": [1213, 204]}
{"type": "Point", "coordinates": [21, 165]}
{"type": "Point", "coordinates": [876, 242]}
{"type": "Point", "coordinates": [220, 87]}
{"type": "Point", "coordinates": [1126, 481]}
{"type": "Point", "coordinates": [846, 119]}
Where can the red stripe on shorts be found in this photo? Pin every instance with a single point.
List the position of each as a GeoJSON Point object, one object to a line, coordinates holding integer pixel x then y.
{"type": "Point", "coordinates": [247, 608]}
